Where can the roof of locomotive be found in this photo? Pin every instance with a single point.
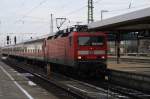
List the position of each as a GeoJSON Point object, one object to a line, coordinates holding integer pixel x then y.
{"type": "Point", "coordinates": [91, 33]}
{"type": "Point", "coordinates": [66, 32]}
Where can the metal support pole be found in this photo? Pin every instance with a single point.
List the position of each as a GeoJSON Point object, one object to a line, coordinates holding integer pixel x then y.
{"type": "Point", "coordinates": [138, 44]}
{"type": "Point", "coordinates": [126, 47]}
{"type": "Point", "coordinates": [125, 44]}
{"type": "Point", "coordinates": [118, 46]}
{"type": "Point", "coordinates": [130, 4]}
{"type": "Point", "coordinates": [51, 24]}
{"type": "Point", "coordinates": [90, 11]}
{"type": "Point", "coordinates": [101, 15]}
{"type": "Point", "coordinates": [102, 11]}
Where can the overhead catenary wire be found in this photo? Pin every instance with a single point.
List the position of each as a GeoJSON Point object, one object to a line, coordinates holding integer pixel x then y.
{"type": "Point", "coordinates": [81, 8]}
{"type": "Point", "coordinates": [127, 9]}
{"type": "Point", "coordinates": [68, 14]}
{"type": "Point", "coordinates": [35, 19]}
{"type": "Point", "coordinates": [26, 15]}
{"type": "Point", "coordinates": [131, 8]}
{"type": "Point", "coordinates": [32, 9]}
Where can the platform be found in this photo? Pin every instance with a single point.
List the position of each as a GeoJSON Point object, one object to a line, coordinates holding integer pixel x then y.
{"type": "Point", "coordinates": [140, 68]}
{"type": "Point", "coordinates": [14, 85]}
{"type": "Point", "coordinates": [142, 58]}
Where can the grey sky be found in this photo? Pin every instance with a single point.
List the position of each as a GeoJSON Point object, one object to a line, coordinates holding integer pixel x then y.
{"type": "Point", "coordinates": [33, 16]}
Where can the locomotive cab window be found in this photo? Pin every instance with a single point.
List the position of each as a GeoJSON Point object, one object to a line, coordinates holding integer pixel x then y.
{"type": "Point", "coordinates": [91, 41]}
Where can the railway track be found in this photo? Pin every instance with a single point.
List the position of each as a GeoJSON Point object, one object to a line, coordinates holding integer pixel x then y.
{"type": "Point", "coordinates": [122, 88]}
{"type": "Point", "coordinates": [136, 81]}
{"type": "Point", "coordinates": [87, 89]}
{"type": "Point", "coordinates": [78, 88]}
{"type": "Point", "coordinates": [44, 83]}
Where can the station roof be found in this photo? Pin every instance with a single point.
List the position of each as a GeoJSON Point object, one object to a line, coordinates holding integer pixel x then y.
{"type": "Point", "coordinates": [133, 21]}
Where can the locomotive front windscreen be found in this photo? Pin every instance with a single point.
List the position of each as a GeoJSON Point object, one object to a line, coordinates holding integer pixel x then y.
{"type": "Point", "coordinates": [91, 41]}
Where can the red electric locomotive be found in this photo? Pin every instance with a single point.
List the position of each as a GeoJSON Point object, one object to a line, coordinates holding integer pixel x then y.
{"type": "Point", "coordinates": [74, 50]}
{"type": "Point", "coordinates": [78, 50]}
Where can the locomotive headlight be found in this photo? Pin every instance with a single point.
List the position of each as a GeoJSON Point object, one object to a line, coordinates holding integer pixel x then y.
{"type": "Point", "coordinates": [103, 57]}
{"type": "Point", "coordinates": [79, 57]}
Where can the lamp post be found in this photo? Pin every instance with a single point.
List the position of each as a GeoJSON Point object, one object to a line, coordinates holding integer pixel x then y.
{"type": "Point", "coordinates": [51, 24]}
{"type": "Point", "coordinates": [130, 4]}
{"type": "Point", "coordinates": [102, 11]}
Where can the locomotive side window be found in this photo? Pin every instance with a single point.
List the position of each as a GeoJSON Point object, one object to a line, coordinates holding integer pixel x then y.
{"type": "Point", "coordinates": [91, 41]}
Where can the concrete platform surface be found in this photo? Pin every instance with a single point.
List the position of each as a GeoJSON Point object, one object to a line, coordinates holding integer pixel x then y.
{"type": "Point", "coordinates": [14, 85]}
{"type": "Point", "coordinates": [131, 57]}
{"type": "Point", "coordinates": [140, 68]}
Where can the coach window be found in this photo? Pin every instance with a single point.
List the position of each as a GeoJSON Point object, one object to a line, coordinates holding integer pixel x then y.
{"type": "Point", "coordinates": [70, 41]}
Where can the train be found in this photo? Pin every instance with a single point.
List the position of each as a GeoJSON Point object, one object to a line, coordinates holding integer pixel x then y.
{"type": "Point", "coordinates": [73, 50]}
